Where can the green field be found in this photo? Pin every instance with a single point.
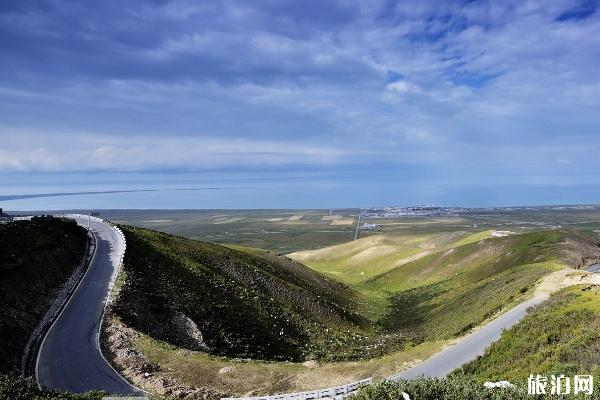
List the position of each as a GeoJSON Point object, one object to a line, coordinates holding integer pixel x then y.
{"type": "Point", "coordinates": [279, 231]}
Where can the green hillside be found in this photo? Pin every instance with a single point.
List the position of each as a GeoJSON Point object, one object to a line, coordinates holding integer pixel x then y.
{"type": "Point", "coordinates": [244, 304]}
{"type": "Point", "coordinates": [561, 335]}
{"type": "Point", "coordinates": [250, 303]}
{"type": "Point", "coordinates": [440, 286]}
{"type": "Point", "coordinates": [451, 291]}
{"type": "Point", "coordinates": [359, 260]}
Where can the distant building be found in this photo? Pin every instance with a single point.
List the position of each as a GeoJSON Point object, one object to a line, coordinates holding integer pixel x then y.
{"type": "Point", "coordinates": [368, 227]}
{"type": "Point", "coordinates": [4, 218]}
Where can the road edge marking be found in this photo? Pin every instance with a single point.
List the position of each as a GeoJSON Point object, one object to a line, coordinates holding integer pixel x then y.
{"type": "Point", "coordinates": [101, 324]}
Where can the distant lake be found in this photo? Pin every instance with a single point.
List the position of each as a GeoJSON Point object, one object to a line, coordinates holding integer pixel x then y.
{"type": "Point", "coordinates": [270, 189]}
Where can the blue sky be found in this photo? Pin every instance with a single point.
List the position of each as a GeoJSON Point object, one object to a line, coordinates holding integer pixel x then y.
{"type": "Point", "coordinates": [302, 104]}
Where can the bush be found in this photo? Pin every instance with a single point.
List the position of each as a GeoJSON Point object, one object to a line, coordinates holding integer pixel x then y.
{"type": "Point", "coordinates": [455, 388]}
{"type": "Point", "coordinates": [18, 388]}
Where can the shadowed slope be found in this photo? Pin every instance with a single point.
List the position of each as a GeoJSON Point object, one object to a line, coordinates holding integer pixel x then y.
{"type": "Point", "coordinates": [228, 302]}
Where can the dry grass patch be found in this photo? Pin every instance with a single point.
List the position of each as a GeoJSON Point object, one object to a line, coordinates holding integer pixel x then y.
{"type": "Point", "coordinates": [247, 377]}
{"type": "Point", "coordinates": [342, 222]}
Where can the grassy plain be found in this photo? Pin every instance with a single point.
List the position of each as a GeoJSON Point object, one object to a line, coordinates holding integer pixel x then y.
{"type": "Point", "coordinates": [287, 231]}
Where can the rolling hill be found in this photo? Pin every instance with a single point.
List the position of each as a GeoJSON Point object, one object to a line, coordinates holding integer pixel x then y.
{"type": "Point", "coordinates": [228, 302]}
{"type": "Point", "coordinates": [367, 257]}
{"type": "Point", "coordinates": [458, 282]}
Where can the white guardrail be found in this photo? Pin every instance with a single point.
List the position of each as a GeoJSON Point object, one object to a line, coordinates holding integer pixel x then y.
{"type": "Point", "coordinates": [122, 255]}
{"type": "Point", "coordinates": [337, 393]}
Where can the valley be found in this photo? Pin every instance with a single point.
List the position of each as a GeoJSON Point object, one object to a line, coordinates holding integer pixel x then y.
{"type": "Point", "coordinates": [207, 320]}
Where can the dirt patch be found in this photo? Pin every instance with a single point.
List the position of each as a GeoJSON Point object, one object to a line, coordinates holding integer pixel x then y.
{"type": "Point", "coordinates": [580, 251]}
{"type": "Point", "coordinates": [331, 217]}
{"type": "Point", "coordinates": [295, 218]}
{"type": "Point", "coordinates": [342, 222]}
{"type": "Point", "coordinates": [565, 278]}
{"type": "Point", "coordinates": [118, 344]}
{"type": "Point", "coordinates": [412, 258]}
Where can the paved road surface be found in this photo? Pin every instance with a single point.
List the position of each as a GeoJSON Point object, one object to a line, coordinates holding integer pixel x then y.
{"type": "Point", "coordinates": [69, 358]}
{"type": "Point", "coordinates": [594, 268]}
{"type": "Point", "coordinates": [471, 346]}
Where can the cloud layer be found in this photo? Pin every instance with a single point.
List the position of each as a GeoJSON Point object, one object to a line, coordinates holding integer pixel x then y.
{"type": "Point", "coordinates": [469, 91]}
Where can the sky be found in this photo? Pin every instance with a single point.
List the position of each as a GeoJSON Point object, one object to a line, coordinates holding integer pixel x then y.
{"type": "Point", "coordinates": [291, 104]}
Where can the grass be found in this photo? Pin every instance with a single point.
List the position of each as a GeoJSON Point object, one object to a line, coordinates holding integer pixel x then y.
{"type": "Point", "coordinates": [17, 388]}
{"type": "Point", "coordinates": [463, 285]}
{"type": "Point", "coordinates": [36, 258]}
{"type": "Point", "coordinates": [465, 280]}
{"type": "Point", "coordinates": [272, 229]}
{"type": "Point", "coordinates": [262, 306]}
{"type": "Point", "coordinates": [457, 387]}
{"type": "Point", "coordinates": [246, 304]}
{"type": "Point", "coordinates": [359, 260]}
{"type": "Point", "coordinates": [561, 335]}
{"type": "Point", "coordinates": [254, 377]}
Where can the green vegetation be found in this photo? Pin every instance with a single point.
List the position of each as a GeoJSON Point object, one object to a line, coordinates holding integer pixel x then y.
{"type": "Point", "coordinates": [18, 388]}
{"type": "Point", "coordinates": [454, 388]}
{"type": "Point", "coordinates": [365, 305]}
{"type": "Point", "coordinates": [561, 335]}
{"type": "Point", "coordinates": [448, 293]}
{"type": "Point", "coordinates": [246, 305]}
{"type": "Point", "coordinates": [441, 286]}
{"type": "Point", "coordinates": [233, 376]}
{"type": "Point", "coordinates": [275, 230]}
{"type": "Point", "coordinates": [359, 260]}
{"type": "Point", "coordinates": [250, 303]}
{"type": "Point", "coordinates": [36, 258]}
{"type": "Point", "coordinates": [281, 231]}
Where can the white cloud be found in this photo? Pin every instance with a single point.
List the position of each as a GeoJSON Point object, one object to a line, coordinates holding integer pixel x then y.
{"type": "Point", "coordinates": [97, 152]}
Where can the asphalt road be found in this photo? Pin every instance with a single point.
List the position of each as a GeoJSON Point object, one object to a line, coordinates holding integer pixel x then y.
{"type": "Point", "coordinates": [69, 358]}
{"type": "Point", "coordinates": [470, 346]}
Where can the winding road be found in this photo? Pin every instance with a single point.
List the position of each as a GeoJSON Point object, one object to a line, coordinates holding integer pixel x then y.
{"type": "Point", "coordinates": [469, 347]}
{"type": "Point", "coordinates": [69, 357]}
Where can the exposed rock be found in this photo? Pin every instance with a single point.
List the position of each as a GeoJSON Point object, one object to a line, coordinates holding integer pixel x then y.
{"type": "Point", "coordinates": [226, 370]}
{"type": "Point", "coordinates": [188, 331]}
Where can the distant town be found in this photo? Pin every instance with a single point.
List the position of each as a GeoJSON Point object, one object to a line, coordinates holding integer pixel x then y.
{"type": "Point", "coordinates": [415, 211]}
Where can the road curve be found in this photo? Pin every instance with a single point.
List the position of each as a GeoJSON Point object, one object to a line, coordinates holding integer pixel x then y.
{"type": "Point", "coordinates": [69, 358]}
{"type": "Point", "coordinates": [469, 347]}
